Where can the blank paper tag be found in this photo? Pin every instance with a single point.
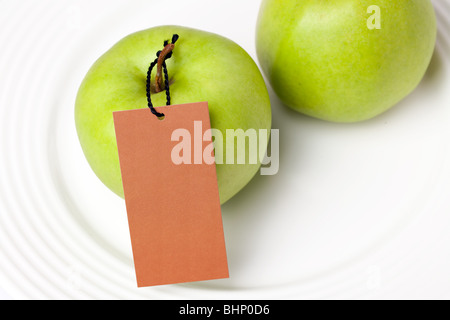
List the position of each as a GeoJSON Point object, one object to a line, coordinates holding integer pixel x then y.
{"type": "Point", "coordinates": [173, 209]}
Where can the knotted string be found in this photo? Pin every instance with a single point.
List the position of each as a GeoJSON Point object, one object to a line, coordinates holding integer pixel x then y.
{"type": "Point", "coordinates": [167, 46]}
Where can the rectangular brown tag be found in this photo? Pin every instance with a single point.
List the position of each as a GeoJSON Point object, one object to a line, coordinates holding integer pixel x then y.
{"type": "Point", "coordinates": [173, 209]}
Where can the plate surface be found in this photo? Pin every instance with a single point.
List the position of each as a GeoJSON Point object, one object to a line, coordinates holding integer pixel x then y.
{"type": "Point", "coordinates": [356, 211]}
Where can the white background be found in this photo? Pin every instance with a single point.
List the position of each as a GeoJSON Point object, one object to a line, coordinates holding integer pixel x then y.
{"type": "Point", "coordinates": [357, 211]}
{"type": "Point", "coordinates": [4, 295]}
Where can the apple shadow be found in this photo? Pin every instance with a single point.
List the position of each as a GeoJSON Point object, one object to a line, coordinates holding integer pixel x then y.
{"type": "Point", "coordinates": [435, 72]}
{"type": "Point", "coordinates": [443, 25]}
{"type": "Point", "coordinates": [436, 68]}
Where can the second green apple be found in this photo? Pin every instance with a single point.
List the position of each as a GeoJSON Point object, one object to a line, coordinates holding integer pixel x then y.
{"type": "Point", "coordinates": [345, 60]}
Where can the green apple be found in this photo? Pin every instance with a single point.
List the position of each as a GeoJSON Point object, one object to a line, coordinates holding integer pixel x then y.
{"type": "Point", "coordinates": [345, 60]}
{"type": "Point", "coordinates": [204, 67]}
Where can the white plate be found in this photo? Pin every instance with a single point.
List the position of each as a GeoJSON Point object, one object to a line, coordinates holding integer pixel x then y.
{"type": "Point", "coordinates": [356, 211]}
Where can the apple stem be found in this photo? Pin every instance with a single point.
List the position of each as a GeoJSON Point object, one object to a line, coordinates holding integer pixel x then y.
{"type": "Point", "coordinates": [163, 55]}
